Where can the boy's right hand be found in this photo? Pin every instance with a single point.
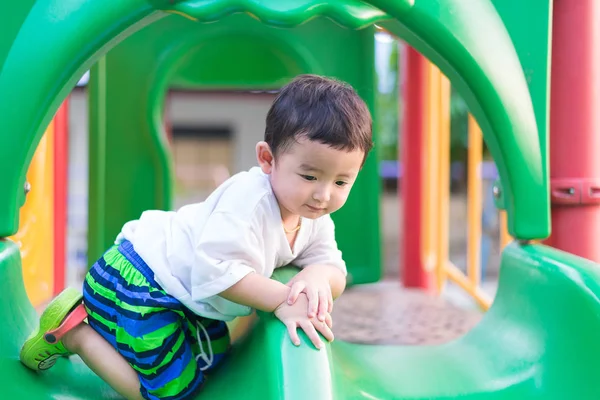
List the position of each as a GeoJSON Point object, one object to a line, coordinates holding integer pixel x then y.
{"type": "Point", "coordinates": [294, 316]}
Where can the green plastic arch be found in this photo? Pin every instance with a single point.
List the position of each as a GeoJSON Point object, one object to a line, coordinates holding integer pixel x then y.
{"type": "Point", "coordinates": [135, 115]}
{"type": "Point", "coordinates": [55, 41]}
{"type": "Point", "coordinates": [128, 84]}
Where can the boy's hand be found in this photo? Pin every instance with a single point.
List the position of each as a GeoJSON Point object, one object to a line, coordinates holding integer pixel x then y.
{"type": "Point", "coordinates": [294, 316]}
{"type": "Point", "coordinates": [317, 289]}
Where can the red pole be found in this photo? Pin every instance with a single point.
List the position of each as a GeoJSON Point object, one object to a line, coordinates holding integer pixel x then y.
{"type": "Point", "coordinates": [61, 156]}
{"type": "Point", "coordinates": [414, 88]}
{"type": "Point", "coordinates": [575, 128]}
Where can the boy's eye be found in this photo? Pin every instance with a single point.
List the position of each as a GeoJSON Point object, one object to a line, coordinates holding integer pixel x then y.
{"type": "Point", "coordinates": [341, 183]}
{"type": "Point", "coordinates": [309, 177]}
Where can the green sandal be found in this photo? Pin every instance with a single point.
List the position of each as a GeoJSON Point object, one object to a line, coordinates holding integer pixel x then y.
{"type": "Point", "coordinates": [43, 347]}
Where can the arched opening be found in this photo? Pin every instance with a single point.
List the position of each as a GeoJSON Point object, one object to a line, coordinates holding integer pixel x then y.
{"type": "Point", "coordinates": [175, 52]}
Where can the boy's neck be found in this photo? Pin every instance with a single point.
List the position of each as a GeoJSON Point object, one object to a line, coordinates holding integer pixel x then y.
{"type": "Point", "coordinates": [288, 219]}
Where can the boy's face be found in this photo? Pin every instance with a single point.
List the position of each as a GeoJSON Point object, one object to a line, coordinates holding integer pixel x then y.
{"type": "Point", "coordinates": [311, 179]}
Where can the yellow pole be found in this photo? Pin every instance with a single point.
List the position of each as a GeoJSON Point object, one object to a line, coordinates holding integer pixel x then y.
{"type": "Point", "coordinates": [483, 299]}
{"type": "Point", "coordinates": [443, 98]}
{"type": "Point", "coordinates": [35, 237]}
{"type": "Point", "coordinates": [474, 203]}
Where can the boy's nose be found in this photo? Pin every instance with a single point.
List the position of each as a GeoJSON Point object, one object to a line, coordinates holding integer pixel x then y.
{"type": "Point", "coordinates": [322, 196]}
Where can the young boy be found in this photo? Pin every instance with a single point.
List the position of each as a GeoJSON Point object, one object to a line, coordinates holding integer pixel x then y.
{"type": "Point", "coordinates": [157, 300]}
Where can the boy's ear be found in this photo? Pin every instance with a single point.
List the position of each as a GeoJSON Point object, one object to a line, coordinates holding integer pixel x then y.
{"type": "Point", "coordinates": [264, 156]}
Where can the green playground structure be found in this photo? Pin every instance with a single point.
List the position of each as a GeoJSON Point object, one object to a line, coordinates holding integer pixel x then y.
{"type": "Point", "coordinates": [538, 340]}
{"type": "Point", "coordinates": [174, 52]}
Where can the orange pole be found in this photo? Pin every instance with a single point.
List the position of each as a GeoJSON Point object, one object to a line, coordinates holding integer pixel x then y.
{"type": "Point", "coordinates": [443, 99]}
{"type": "Point", "coordinates": [474, 202]}
{"type": "Point", "coordinates": [505, 237]}
{"type": "Point", "coordinates": [61, 181]}
{"type": "Point", "coordinates": [433, 133]}
{"type": "Point", "coordinates": [431, 176]}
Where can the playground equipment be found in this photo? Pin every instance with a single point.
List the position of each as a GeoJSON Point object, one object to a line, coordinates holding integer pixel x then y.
{"type": "Point", "coordinates": [536, 341]}
{"type": "Point", "coordinates": [574, 180]}
{"type": "Point", "coordinates": [574, 139]}
{"type": "Point", "coordinates": [41, 235]}
{"type": "Point", "coordinates": [128, 90]}
{"type": "Point", "coordinates": [426, 129]}
{"type": "Point", "coordinates": [426, 189]}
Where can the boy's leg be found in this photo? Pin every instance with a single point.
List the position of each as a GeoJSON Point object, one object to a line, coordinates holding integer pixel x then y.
{"type": "Point", "coordinates": [103, 359]}
{"type": "Point", "coordinates": [128, 309]}
{"type": "Point", "coordinates": [62, 332]}
{"type": "Point", "coordinates": [241, 327]}
{"type": "Point", "coordinates": [130, 317]}
{"type": "Point", "coordinates": [180, 376]}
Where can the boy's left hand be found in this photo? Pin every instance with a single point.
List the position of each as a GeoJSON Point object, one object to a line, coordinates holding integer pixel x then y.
{"type": "Point", "coordinates": [316, 287]}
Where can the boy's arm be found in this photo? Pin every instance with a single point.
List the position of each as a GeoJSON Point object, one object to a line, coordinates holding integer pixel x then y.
{"type": "Point", "coordinates": [270, 295]}
{"type": "Point", "coordinates": [337, 281]}
{"type": "Point", "coordinates": [258, 292]}
{"type": "Point", "coordinates": [329, 273]}
{"type": "Point", "coordinates": [229, 263]}
{"type": "Point", "coordinates": [322, 284]}
{"type": "Point", "coordinates": [321, 264]}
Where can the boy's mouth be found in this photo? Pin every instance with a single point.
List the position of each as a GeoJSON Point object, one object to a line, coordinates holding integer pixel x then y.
{"type": "Point", "coordinates": [315, 209]}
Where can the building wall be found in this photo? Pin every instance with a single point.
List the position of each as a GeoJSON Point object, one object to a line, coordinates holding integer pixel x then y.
{"type": "Point", "coordinates": [243, 113]}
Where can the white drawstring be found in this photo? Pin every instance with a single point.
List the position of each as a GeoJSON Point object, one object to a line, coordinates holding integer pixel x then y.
{"type": "Point", "coordinates": [207, 359]}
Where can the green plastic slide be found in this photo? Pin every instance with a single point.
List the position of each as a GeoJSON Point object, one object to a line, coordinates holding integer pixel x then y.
{"type": "Point", "coordinates": [539, 340]}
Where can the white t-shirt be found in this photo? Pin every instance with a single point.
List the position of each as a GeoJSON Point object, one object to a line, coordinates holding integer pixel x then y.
{"type": "Point", "coordinates": [204, 248]}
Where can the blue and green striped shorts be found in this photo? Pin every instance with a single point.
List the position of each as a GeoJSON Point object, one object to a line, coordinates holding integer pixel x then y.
{"type": "Point", "coordinates": [157, 335]}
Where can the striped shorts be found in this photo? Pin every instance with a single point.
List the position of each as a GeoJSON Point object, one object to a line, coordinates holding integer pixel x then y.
{"type": "Point", "coordinates": [157, 335]}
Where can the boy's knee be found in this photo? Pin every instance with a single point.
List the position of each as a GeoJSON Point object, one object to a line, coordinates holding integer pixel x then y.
{"type": "Point", "coordinates": [75, 339]}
